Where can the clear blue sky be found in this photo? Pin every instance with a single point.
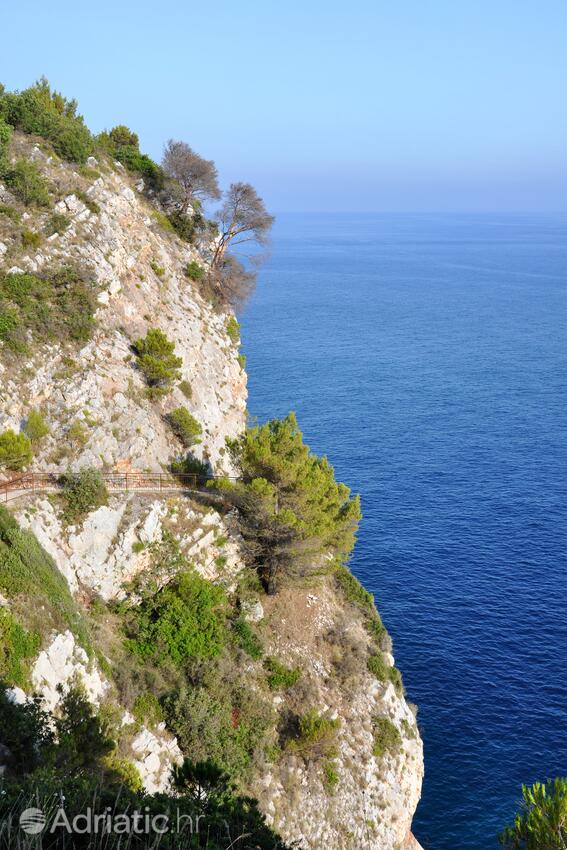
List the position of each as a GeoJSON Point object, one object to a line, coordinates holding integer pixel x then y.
{"type": "Point", "coordinates": [350, 106]}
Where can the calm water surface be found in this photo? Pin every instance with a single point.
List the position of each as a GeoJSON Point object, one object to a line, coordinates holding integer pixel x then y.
{"type": "Point", "coordinates": [427, 357]}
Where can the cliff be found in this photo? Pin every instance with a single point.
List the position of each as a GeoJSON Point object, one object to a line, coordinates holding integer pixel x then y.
{"type": "Point", "coordinates": [320, 735]}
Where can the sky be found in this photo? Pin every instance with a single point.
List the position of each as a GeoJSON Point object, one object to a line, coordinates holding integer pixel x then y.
{"type": "Point", "coordinates": [405, 105]}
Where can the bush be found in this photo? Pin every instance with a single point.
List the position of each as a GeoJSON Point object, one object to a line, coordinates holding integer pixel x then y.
{"type": "Point", "coordinates": [194, 270]}
{"type": "Point", "coordinates": [83, 492]}
{"type": "Point", "coordinates": [36, 427]}
{"type": "Point", "coordinates": [331, 775]}
{"type": "Point", "coordinates": [280, 677]}
{"type": "Point", "coordinates": [147, 709]}
{"type": "Point", "coordinates": [15, 450]}
{"type": "Point", "coordinates": [186, 389]}
{"type": "Point", "coordinates": [185, 426]}
{"type": "Point", "coordinates": [157, 361]}
{"type": "Point", "coordinates": [387, 738]}
{"type": "Point", "coordinates": [17, 648]}
{"type": "Point", "coordinates": [246, 638]}
{"type": "Point", "coordinates": [27, 184]}
{"type": "Point", "coordinates": [316, 736]}
{"type": "Point", "coordinates": [30, 239]}
{"type": "Point", "coordinates": [59, 306]}
{"type": "Point", "coordinates": [123, 145]}
{"type": "Point", "coordinates": [184, 620]}
{"type": "Point", "coordinates": [43, 112]}
{"type": "Point", "coordinates": [10, 212]}
{"type": "Point", "coordinates": [242, 361]}
{"type": "Point", "coordinates": [190, 466]}
{"type": "Point", "coordinates": [58, 223]}
{"type": "Point", "coordinates": [384, 672]}
{"type": "Point", "coordinates": [233, 330]}
{"type": "Point", "coordinates": [5, 139]}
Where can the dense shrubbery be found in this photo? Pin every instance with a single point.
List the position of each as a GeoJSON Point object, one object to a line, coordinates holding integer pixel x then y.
{"type": "Point", "coordinates": [123, 145]}
{"type": "Point", "coordinates": [292, 509]}
{"type": "Point", "coordinates": [182, 621]}
{"type": "Point", "coordinates": [73, 757]}
{"type": "Point", "coordinates": [280, 677]}
{"type": "Point", "coordinates": [83, 491]}
{"type": "Point", "coordinates": [157, 361]}
{"type": "Point", "coordinates": [316, 736]}
{"type": "Point", "coordinates": [15, 450]}
{"type": "Point", "coordinates": [27, 184]}
{"type": "Point", "coordinates": [185, 426]}
{"type": "Point", "coordinates": [17, 649]}
{"type": "Point", "coordinates": [384, 672]}
{"type": "Point", "coordinates": [247, 639]}
{"type": "Point", "coordinates": [58, 306]}
{"type": "Point", "coordinates": [194, 270]}
{"type": "Point", "coordinates": [46, 113]}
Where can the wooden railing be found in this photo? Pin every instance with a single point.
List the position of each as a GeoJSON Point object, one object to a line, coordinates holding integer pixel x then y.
{"type": "Point", "coordinates": [153, 482]}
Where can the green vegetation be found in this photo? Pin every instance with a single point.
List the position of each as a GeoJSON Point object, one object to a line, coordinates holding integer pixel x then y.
{"type": "Point", "coordinates": [185, 426]}
{"type": "Point", "coordinates": [316, 736]}
{"type": "Point", "coordinates": [26, 183]}
{"type": "Point", "coordinates": [15, 450]}
{"type": "Point", "coordinates": [384, 672]}
{"type": "Point", "coordinates": [157, 362]}
{"type": "Point", "coordinates": [75, 753]}
{"type": "Point", "coordinates": [330, 774]}
{"type": "Point", "coordinates": [10, 212]}
{"type": "Point", "coordinates": [194, 270]}
{"type": "Point", "coordinates": [183, 620]}
{"type": "Point", "coordinates": [280, 677]}
{"type": "Point", "coordinates": [36, 428]}
{"type": "Point", "coordinates": [123, 145]}
{"type": "Point", "coordinates": [186, 389]}
{"type": "Point", "coordinates": [5, 138]}
{"type": "Point", "coordinates": [242, 361]}
{"type": "Point", "coordinates": [233, 330]}
{"type": "Point", "coordinates": [42, 112]}
{"type": "Point", "coordinates": [541, 823]}
{"type": "Point", "coordinates": [291, 508]}
{"type": "Point", "coordinates": [57, 307]}
{"type": "Point", "coordinates": [58, 223]}
{"type": "Point", "coordinates": [387, 738]}
{"type": "Point", "coordinates": [358, 596]}
{"type": "Point", "coordinates": [39, 594]}
{"type": "Point", "coordinates": [83, 492]}
{"type": "Point", "coordinates": [17, 649]}
{"type": "Point", "coordinates": [30, 239]}
{"type": "Point", "coordinates": [147, 709]}
{"type": "Point", "coordinates": [157, 269]}
{"type": "Point", "coordinates": [247, 639]}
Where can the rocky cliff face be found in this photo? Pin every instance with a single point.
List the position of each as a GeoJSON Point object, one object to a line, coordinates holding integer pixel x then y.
{"type": "Point", "coordinates": [353, 795]}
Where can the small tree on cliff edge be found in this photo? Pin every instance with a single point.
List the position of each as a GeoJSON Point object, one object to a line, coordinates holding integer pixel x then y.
{"type": "Point", "coordinates": [195, 177]}
{"type": "Point", "coordinates": [242, 219]}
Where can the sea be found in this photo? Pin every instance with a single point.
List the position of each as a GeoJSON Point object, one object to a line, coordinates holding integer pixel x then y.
{"type": "Point", "coordinates": [426, 356]}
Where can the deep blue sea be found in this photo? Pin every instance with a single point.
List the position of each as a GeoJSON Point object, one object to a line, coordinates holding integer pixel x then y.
{"type": "Point", "coordinates": [427, 357]}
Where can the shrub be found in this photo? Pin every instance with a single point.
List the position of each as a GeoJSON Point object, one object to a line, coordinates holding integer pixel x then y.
{"type": "Point", "coordinates": [123, 145]}
{"type": "Point", "coordinates": [157, 361]}
{"type": "Point", "coordinates": [387, 738]}
{"type": "Point", "coordinates": [83, 492]}
{"type": "Point", "coordinates": [331, 776]}
{"type": "Point", "coordinates": [242, 361]}
{"type": "Point", "coordinates": [26, 183]}
{"type": "Point", "coordinates": [233, 330]}
{"type": "Point", "coordinates": [157, 269]}
{"type": "Point", "coordinates": [10, 212]}
{"type": "Point", "coordinates": [183, 620]}
{"type": "Point", "coordinates": [17, 648]}
{"type": "Point", "coordinates": [163, 221]}
{"type": "Point", "coordinates": [190, 466]}
{"type": "Point", "coordinates": [59, 306]}
{"type": "Point", "coordinates": [194, 270]}
{"type": "Point", "coordinates": [280, 677]}
{"type": "Point", "coordinates": [5, 138]}
{"type": "Point", "coordinates": [58, 223]}
{"type": "Point", "coordinates": [46, 113]}
{"type": "Point", "coordinates": [185, 426]}
{"type": "Point", "coordinates": [30, 239]}
{"type": "Point", "coordinates": [147, 709]}
{"type": "Point", "coordinates": [36, 427]}
{"type": "Point", "coordinates": [186, 388]}
{"type": "Point", "coordinates": [384, 672]}
{"type": "Point", "coordinates": [316, 736]}
{"type": "Point", "coordinates": [246, 638]}
{"type": "Point", "coordinates": [15, 450]}
{"type": "Point", "coordinates": [184, 225]}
